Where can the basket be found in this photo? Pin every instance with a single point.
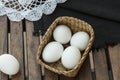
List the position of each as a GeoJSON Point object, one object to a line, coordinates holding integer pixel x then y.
{"type": "Point", "coordinates": [75, 25]}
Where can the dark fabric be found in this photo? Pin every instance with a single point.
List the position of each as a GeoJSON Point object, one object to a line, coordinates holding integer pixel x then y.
{"type": "Point", "coordinates": [103, 15]}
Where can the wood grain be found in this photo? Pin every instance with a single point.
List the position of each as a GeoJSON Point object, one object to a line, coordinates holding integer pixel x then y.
{"type": "Point", "coordinates": [3, 41]}
{"type": "Point", "coordinates": [32, 46]}
{"type": "Point", "coordinates": [16, 47]}
{"type": "Point", "coordinates": [50, 75]}
{"type": "Point", "coordinates": [114, 53]}
{"type": "Point", "coordinates": [85, 71]}
{"type": "Point", "coordinates": [100, 65]}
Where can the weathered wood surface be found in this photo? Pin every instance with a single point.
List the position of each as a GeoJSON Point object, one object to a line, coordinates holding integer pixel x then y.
{"type": "Point", "coordinates": [3, 41]}
{"type": "Point", "coordinates": [114, 53]}
{"type": "Point", "coordinates": [85, 71]}
{"type": "Point", "coordinates": [17, 38]}
{"type": "Point", "coordinates": [100, 63]}
{"type": "Point", "coordinates": [32, 42]}
{"type": "Point", "coordinates": [16, 47]}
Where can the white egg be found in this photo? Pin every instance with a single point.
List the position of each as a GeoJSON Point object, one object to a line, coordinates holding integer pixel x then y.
{"type": "Point", "coordinates": [70, 57]}
{"type": "Point", "coordinates": [62, 34]}
{"type": "Point", "coordinates": [52, 52]}
{"type": "Point", "coordinates": [9, 64]}
{"type": "Point", "coordinates": [80, 40]}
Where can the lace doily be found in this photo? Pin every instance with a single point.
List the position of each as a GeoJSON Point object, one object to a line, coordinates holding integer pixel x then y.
{"type": "Point", "coordinates": [32, 10]}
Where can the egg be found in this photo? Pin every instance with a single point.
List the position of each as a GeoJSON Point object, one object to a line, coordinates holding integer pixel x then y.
{"type": "Point", "coordinates": [70, 57]}
{"type": "Point", "coordinates": [62, 34]}
{"type": "Point", "coordinates": [52, 52]}
{"type": "Point", "coordinates": [80, 40]}
{"type": "Point", "coordinates": [9, 64]}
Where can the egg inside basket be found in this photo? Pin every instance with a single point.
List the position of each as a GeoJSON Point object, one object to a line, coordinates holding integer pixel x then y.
{"type": "Point", "coordinates": [75, 25]}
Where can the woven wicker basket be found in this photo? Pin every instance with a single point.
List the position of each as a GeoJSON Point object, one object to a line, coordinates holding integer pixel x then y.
{"type": "Point", "coordinates": [75, 25]}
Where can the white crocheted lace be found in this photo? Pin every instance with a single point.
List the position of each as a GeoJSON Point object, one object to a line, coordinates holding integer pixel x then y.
{"type": "Point", "coordinates": [32, 10]}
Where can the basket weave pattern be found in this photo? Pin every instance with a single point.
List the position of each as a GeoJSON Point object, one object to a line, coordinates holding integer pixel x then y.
{"type": "Point", "coordinates": [75, 25]}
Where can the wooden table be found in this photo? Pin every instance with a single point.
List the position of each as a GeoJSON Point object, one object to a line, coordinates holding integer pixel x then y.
{"type": "Point", "coordinates": [17, 39]}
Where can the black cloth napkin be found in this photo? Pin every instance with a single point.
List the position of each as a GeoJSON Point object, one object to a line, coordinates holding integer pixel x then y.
{"type": "Point", "coordinates": [103, 15]}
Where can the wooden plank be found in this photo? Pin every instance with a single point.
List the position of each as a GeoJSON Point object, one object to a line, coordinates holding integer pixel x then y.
{"type": "Point", "coordinates": [32, 46]}
{"type": "Point", "coordinates": [50, 75]}
{"type": "Point", "coordinates": [100, 65]}
{"type": "Point", "coordinates": [114, 54]}
{"type": "Point", "coordinates": [61, 77]}
{"type": "Point", "coordinates": [3, 41]}
{"type": "Point", "coordinates": [16, 47]}
{"type": "Point", "coordinates": [85, 71]}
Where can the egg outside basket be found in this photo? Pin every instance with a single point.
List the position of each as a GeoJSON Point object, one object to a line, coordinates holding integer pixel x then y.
{"type": "Point", "coordinates": [75, 25]}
